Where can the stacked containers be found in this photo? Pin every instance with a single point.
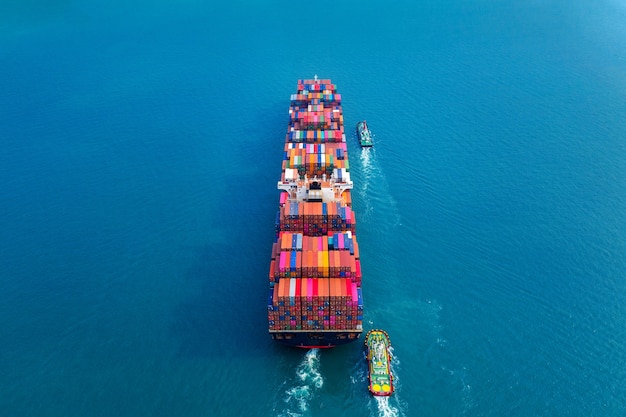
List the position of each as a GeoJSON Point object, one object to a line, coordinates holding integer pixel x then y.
{"type": "Point", "coordinates": [315, 273]}
{"type": "Point", "coordinates": [316, 218]}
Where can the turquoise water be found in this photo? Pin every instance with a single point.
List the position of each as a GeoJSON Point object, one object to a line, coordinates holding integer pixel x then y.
{"type": "Point", "coordinates": [142, 145]}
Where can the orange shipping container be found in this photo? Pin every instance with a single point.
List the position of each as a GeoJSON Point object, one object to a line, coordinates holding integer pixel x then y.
{"type": "Point", "coordinates": [337, 256]}
{"type": "Point", "coordinates": [285, 242]}
{"type": "Point", "coordinates": [330, 210]}
{"type": "Point", "coordinates": [272, 268]}
{"type": "Point", "coordinates": [299, 262]}
{"type": "Point", "coordinates": [344, 291]}
{"type": "Point", "coordinates": [332, 282]}
{"type": "Point", "coordinates": [345, 260]}
{"type": "Point", "coordinates": [281, 289]}
{"type": "Point", "coordinates": [303, 288]}
{"type": "Point", "coordinates": [337, 289]}
{"type": "Point", "coordinates": [323, 288]}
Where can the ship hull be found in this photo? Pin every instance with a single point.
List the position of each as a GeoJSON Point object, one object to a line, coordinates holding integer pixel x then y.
{"type": "Point", "coordinates": [319, 340]}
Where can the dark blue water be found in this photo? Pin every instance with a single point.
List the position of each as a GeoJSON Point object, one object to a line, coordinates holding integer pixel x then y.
{"type": "Point", "coordinates": [141, 149]}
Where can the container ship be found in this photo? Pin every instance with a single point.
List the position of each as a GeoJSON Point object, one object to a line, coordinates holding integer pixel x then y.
{"type": "Point", "coordinates": [315, 298]}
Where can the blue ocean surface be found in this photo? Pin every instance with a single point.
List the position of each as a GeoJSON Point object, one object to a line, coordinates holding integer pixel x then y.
{"type": "Point", "coordinates": [141, 145]}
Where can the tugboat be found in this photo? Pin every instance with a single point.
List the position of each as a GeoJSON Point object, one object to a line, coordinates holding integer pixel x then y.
{"type": "Point", "coordinates": [377, 345]}
{"type": "Point", "coordinates": [365, 136]}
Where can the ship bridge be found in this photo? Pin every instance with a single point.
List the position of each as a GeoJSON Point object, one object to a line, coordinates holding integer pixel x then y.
{"type": "Point", "coordinates": [324, 189]}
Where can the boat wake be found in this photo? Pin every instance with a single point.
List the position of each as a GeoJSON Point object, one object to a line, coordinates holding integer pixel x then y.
{"type": "Point", "coordinates": [385, 409]}
{"type": "Point", "coordinates": [308, 381]}
{"type": "Point", "coordinates": [379, 195]}
{"type": "Point", "coordinates": [369, 171]}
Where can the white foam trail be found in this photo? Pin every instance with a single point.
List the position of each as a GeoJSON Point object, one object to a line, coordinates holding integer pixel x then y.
{"type": "Point", "coordinates": [385, 409]}
{"type": "Point", "coordinates": [368, 175]}
{"type": "Point", "coordinates": [308, 380]}
{"type": "Point", "coordinates": [309, 369]}
{"type": "Point", "coordinates": [374, 176]}
{"type": "Point", "coordinates": [366, 160]}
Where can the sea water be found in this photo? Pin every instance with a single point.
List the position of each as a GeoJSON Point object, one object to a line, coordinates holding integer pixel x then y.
{"type": "Point", "coordinates": [141, 148]}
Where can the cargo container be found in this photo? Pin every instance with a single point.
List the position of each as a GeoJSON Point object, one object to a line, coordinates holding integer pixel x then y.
{"type": "Point", "coordinates": [315, 298]}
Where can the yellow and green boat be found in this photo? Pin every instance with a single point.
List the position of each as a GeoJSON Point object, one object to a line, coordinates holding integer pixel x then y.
{"type": "Point", "coordinates": [377, 345]}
